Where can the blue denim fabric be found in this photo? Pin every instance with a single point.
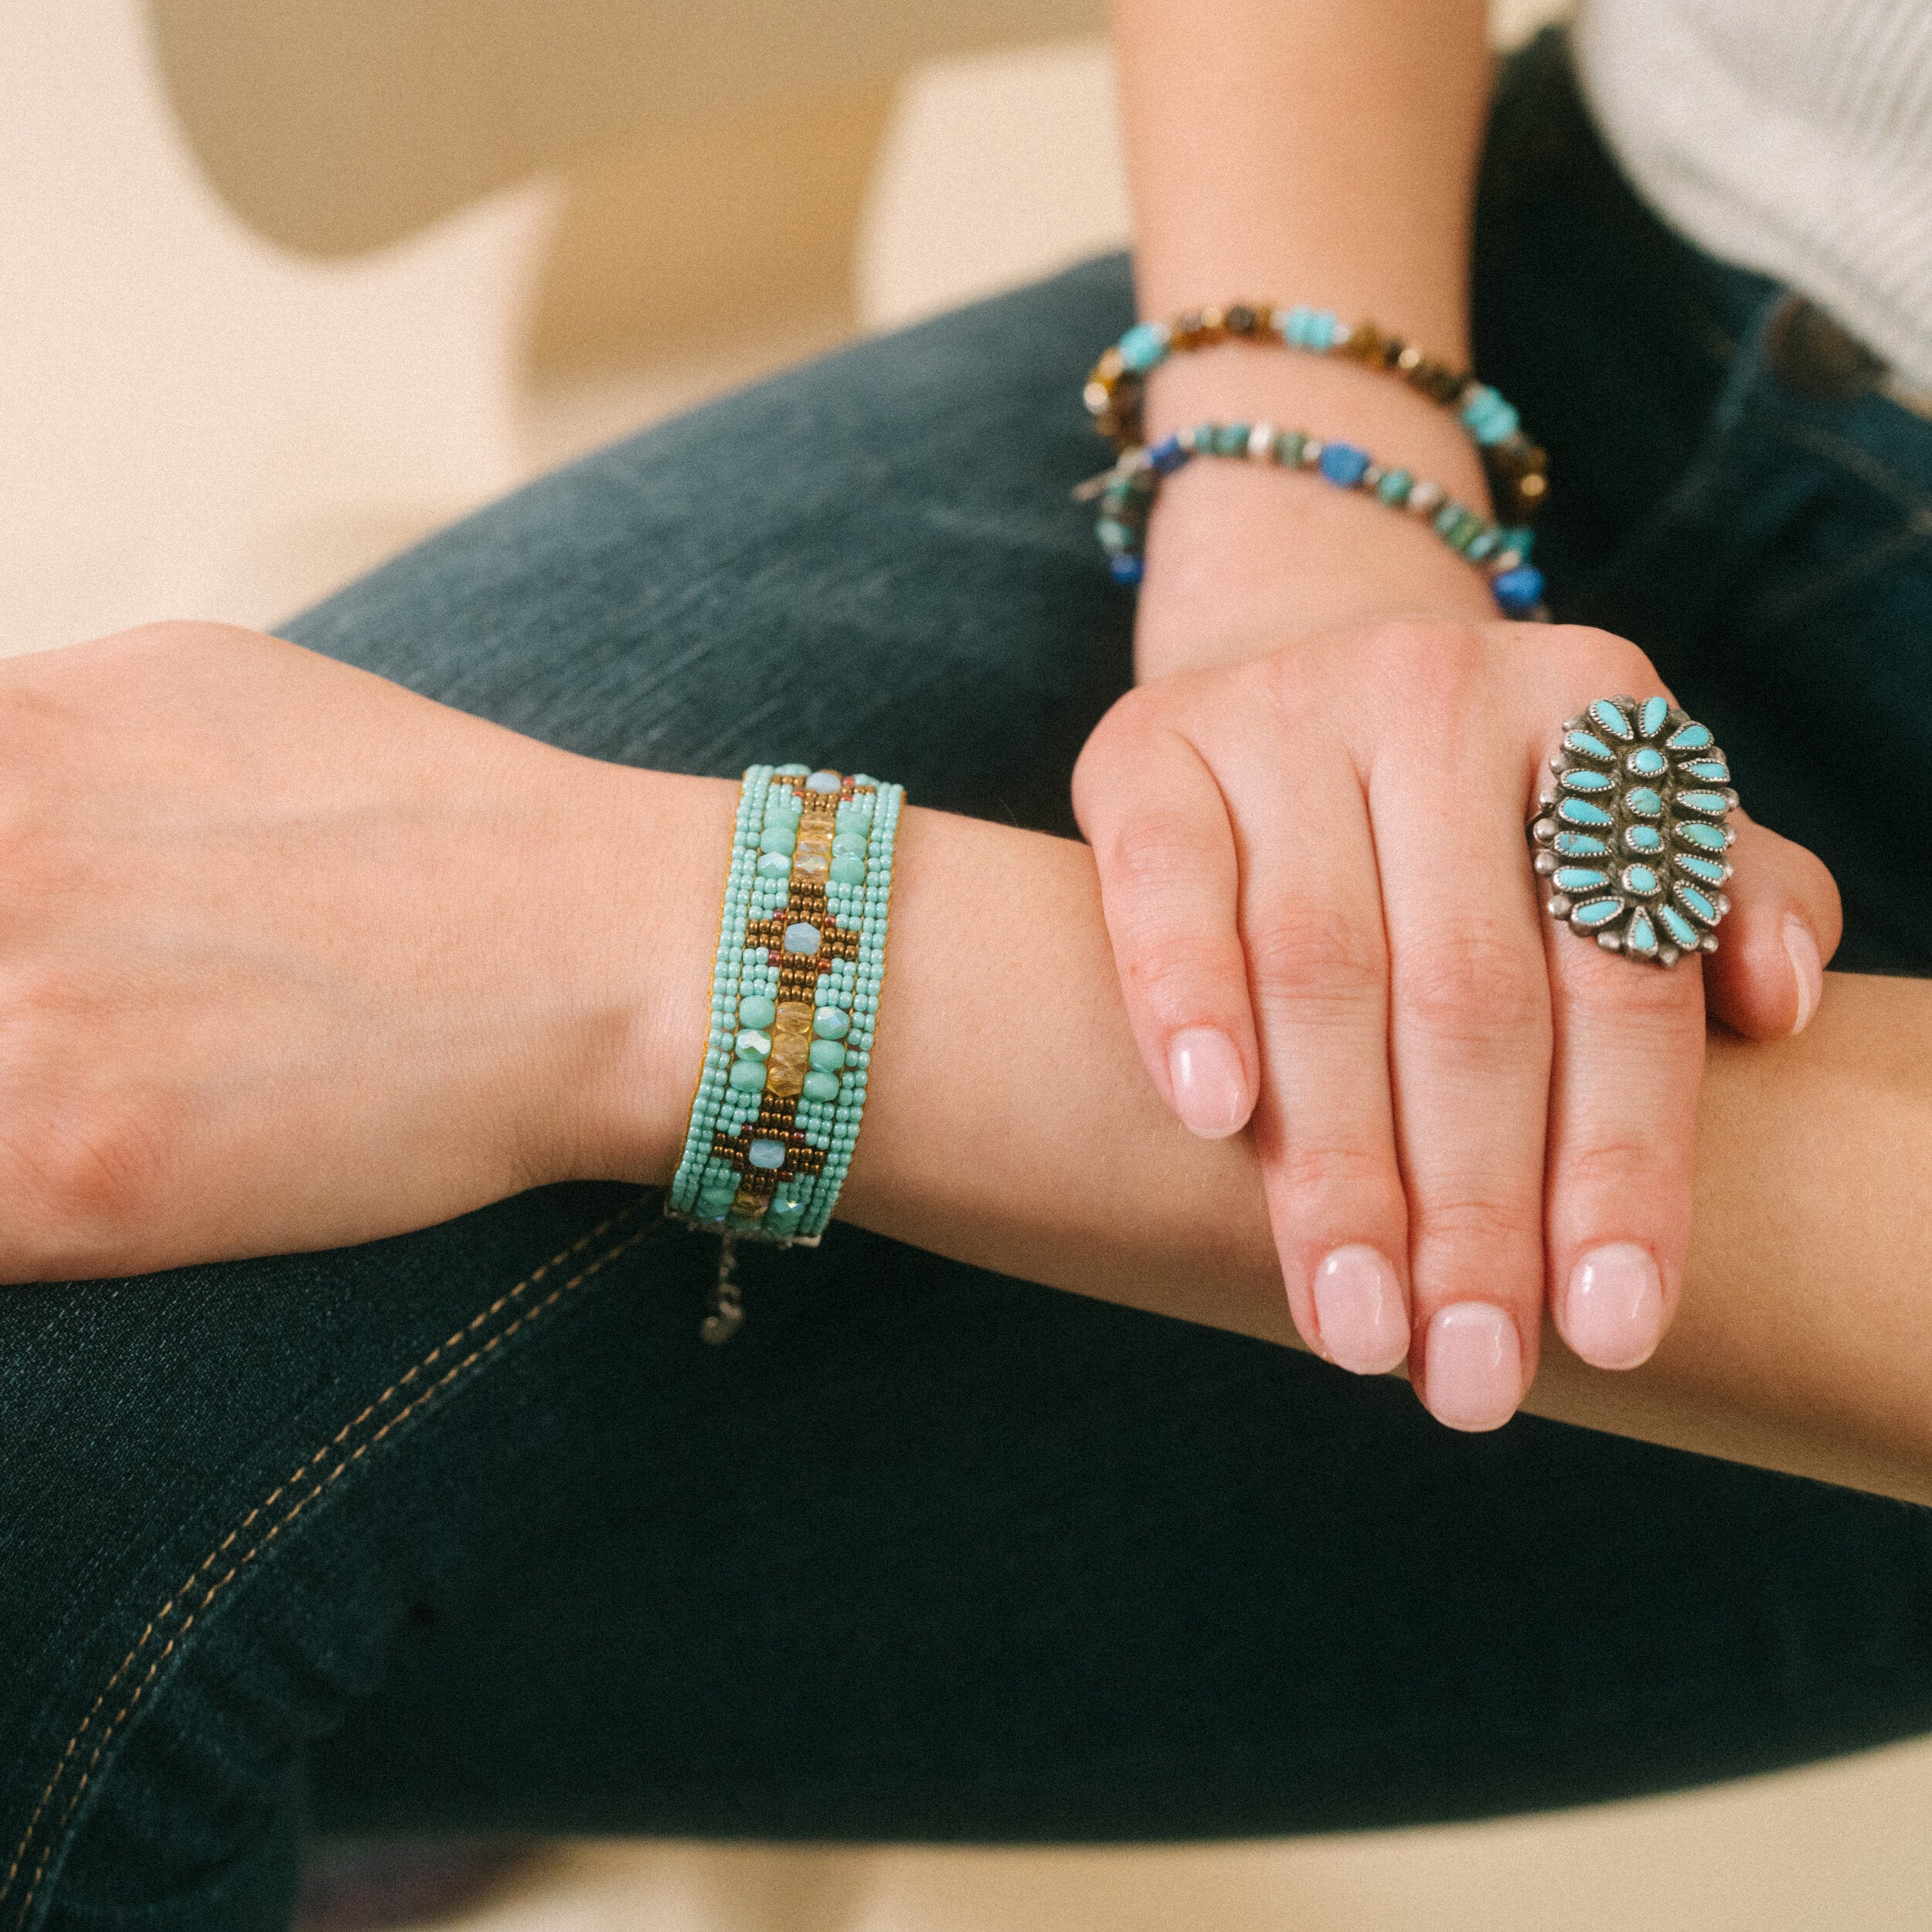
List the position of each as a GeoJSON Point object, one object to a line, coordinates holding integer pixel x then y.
{"type": "Point", "coordinates": [467, 1529]}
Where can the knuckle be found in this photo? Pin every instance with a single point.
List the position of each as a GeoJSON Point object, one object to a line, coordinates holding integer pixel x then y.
{"type": "Point", "coordinates": [90, 1169]}
{"type": "Point", "coordinates": [1486, 1222]}
{"type": "Point", "coordinates": [1618, 1158]}
{"type": "Point", "coordinates": [1478, 986]}
{"type": "Point", "coordinates": [1611, 662]}
{"type": "Point", "coordinates": [1317, 1170]}
{"type": "Point", "coordinates": [1439, 660]}
{"type": "Point", "coordinates": [1303, 955]}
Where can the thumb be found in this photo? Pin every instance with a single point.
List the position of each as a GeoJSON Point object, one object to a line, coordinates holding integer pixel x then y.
{"type": "Point", "coordinates": [1765, 979]}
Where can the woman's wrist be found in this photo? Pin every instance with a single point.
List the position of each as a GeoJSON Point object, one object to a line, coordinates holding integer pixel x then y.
{"type": "Point", "coordinates": [1240, 557]}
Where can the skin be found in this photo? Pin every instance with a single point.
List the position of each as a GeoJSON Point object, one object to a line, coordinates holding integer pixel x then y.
{"type": "Point", "coordinates": [1308, 818]}
{"type": "Point", "coordinates": [295, 957]}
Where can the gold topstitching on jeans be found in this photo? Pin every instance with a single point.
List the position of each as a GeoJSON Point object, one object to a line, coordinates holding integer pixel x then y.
{"type": "Point", "coordinates": [268, 1502]}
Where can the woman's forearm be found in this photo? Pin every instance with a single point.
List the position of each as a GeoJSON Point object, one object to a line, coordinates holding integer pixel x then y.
{"type": "Point", "coordinates": [1010, 1124]}
{"type": "Point", "coordinates": [1301, 152]}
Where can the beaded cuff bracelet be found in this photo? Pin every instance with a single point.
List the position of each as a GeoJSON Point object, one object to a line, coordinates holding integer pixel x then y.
{"type": "Point", "coordinates": [1518, 470]}
{"type": "Point", "coordinates": [1127, 493]}
{"type": "Point", "coordinates": [794, 998]}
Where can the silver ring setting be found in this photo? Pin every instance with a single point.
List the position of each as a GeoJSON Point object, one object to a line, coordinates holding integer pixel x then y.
{"type": "Point", "coordinates": [1632, 837]}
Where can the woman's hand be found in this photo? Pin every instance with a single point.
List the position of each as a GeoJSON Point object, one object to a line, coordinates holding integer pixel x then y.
{"type": "Point", "coordinates": [1324, 916]}
{"type": "Point", "coordinates": [290, 957]}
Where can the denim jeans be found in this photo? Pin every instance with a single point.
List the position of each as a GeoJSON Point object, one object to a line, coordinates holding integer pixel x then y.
{"type": "Point", "coordinates": [468, 1528]}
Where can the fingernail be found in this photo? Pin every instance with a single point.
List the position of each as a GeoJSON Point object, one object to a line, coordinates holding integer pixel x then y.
{"type": "Point", "coordinates": [1801, 949]}
{"type": "Point", "coordinates": [1473, 1370]}
{"type": "Point", "coordinates": [1613, 1306]}
{"type": "Point", "coordinates": [1210, 1091]}
{"type": "Point", "coordinates": [1358, 1309]}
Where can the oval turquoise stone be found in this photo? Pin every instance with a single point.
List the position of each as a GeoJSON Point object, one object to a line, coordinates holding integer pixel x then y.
{"type": "Point", "coordinates": [1644, 802]}
{"type": "Point", "coordinates": [821, 1087]}
{"type": "Point", "coordinates": [1643, 838]}
{"type": "Point", "coordinates": [829, 1023]}
{"type": "Point", "coordinates": [1580, 845]}
{"type": "Point", "coordinates": [1652, 717]}
{"type": "Point", "coordinates": [1610, 717]}
{"type": "Point", "coordinates": [1580, 879]}
{"type": "Point", "coordinates": [1580, 811]}
{"type": "Point", "coordinates": [1587, 781]}
{"type": "Point", "coordinates": [1679, 928]}
{"type": "Point", "coordinates": [1712, 804]}
{"type": "Point", "coordinates": [1709, 838]}
{"type": "Point", "coordinates": [1587, 746]}
{"type": "Point", "coordinates": [1143, 346]}
{"type": "Point", "coordinates": [1640, 935]}
{"type": "Point", "coordinates": [1712, 871]}
{"type": "Point", "coordinates": [755, 1010]}
{"type": "Point", "coordinates": [1714, 771]}
{"type": "Point", "coordinates": [1600, 912]}
{"type": "Point", "coordinates": [1694, 902]}
{"type": "Point", "coordinates": [1647, 762]}
{"type": "Point", "coordinates": [1690, 737]}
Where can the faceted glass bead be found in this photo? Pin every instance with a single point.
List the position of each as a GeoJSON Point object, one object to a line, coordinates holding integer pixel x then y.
{"type": "Point", "coordinates": [828, 1056]}
{"type": "Point", "coordinates": [829, 1023]}
{"type": "Point", "coordinates": [788, 1078]}
{"type": "Point", "coordinates": [848, 871]}
{"type": "Point", "coordinates": [820, 1086]}
{"type": "Point", "coordinates": [773, 865]}
{"type": "Point", "coordinates": [802, 937]}
{"type": "Point", "coordinates": [848, 845]}
{"type": "Point", "coordinates": [811, 865]}
{"type": "Point", "coordinates": [778, 838]}
{"type": "Point", "coordinates": [755, 1010]}
{"type": "Point", "coordinates": [746, 1076]}
{"type": "Point", "coordinates": [768, 1155]}
{"type": "Point", "coordinates": [753, 1044]}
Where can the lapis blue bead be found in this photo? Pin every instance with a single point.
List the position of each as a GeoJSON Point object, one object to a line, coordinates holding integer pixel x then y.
{"type": "Point", "coordinates": [1580, 845]}
{"type": "Point", "coordinates": [1168, 455]}
{"type": "Point", "coordinates": [1580, 811]}
{"type": "Point", "coordinates": [1587, 781]}
{"type": "Point", "coordinates": [1599, 911]}
{"type": "Point", "coordinates": [1580, 879]}
{"type": "Point", "coordinates": [1679, 928]}
{"type": "Point", "coordinates": [1144, 347]}
{"type": "Point", "coordinates": [1519, 592]}
{"type": "Point", "coordinates": [1647, 762]}
{"type": "Point", "coordinates": [1611, 717]}
{"type": "Point", "coordinates": [1125, 568]}
{"type": "Point", "coordinates": [1653, 716]}
{"type": "Point", "coordinates": [1343, 464]}
{"type": "Point", "coordinates": [1690, 737]}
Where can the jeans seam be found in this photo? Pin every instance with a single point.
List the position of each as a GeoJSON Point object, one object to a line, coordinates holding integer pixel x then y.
{"type": "Point", "coordinates": [305, 1474]}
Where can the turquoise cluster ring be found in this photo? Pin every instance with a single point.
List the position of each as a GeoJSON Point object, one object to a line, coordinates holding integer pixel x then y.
{"type": "Point", "coordinates": [1632, 840]}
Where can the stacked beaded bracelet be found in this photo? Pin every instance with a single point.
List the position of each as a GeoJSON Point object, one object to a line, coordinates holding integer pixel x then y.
{"type": "Point", "coordinates": [1518, 470]}
{"type": "Point", "coordinates": [1127, 493]}
{"type": "Point", "coordinates": [794, 999]}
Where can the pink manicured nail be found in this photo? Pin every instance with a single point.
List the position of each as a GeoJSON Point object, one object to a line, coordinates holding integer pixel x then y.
{"type": "Point", "coordinates": [1613, 1312]}
{"type": "Point", "coordinates": [1473, 1367]}
{"type": "Point", "coordinates": [1210, 1090]}
{"type": "Point", "coordinates": [1801, 949]}
{"type": "Point", "coordinates": [1360, 1310]}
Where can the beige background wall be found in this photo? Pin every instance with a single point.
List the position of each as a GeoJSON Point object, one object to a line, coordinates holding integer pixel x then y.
{"type": "Point", "coordinates": [239, 368]}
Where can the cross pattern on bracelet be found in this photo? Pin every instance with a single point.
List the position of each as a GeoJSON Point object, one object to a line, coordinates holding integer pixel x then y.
{"type": "Point", "coordinates": [773, 1127]}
